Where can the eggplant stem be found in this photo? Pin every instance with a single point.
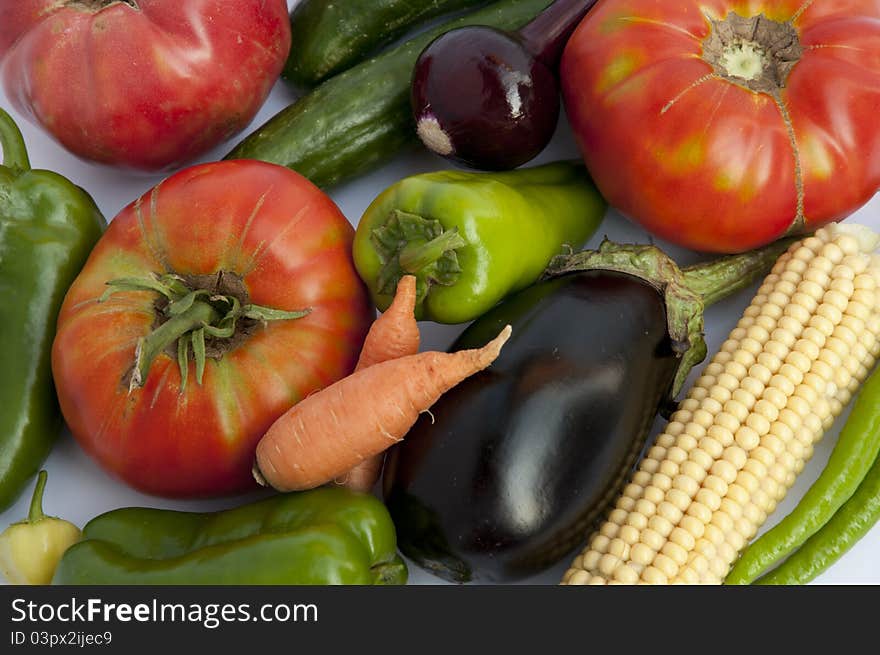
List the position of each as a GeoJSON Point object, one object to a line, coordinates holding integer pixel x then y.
{"type": "Point", "coordinates": [724, 276]}
{"type": "Point", "coordinates": [545, 37]}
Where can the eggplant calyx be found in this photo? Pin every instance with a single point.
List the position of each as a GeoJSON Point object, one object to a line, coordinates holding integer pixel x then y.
{"type": "Point", "coordinates": [686, 292]}
{"type": "Point", "coordinates": [409, 244]}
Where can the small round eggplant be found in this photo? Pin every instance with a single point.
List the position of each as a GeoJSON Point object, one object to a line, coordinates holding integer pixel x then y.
{"type": "Point", "coordinates": [510, 469]}
{"type": "Point", "coordinates": [505, 475]}
{"type": "Point", "coordinates": [489, 99]}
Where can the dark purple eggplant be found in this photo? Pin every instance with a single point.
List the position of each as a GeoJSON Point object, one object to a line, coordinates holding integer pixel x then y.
{"type": "Point", "coordinates": [489, 99]}
{"type": "Point", "coordinates": [511, 468]}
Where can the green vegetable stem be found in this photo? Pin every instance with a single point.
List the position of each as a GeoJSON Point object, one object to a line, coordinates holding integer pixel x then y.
{"type": "Point", "coordinates": [857, 448]}
{"type": "Point", "coordinates": [48, 226]}
{"type": "Point", "coordinates": [321, 537]}
{"type": "Point", "coordinates": [472, 239]}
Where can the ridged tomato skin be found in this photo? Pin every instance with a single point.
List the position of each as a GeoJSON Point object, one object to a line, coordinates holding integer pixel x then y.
{"type": "Point", "coordinates": [142, 84]}
{"type": "Point", "coordinates": [291, 247]}
{"type": "Point", "coordinates": [709, 164]}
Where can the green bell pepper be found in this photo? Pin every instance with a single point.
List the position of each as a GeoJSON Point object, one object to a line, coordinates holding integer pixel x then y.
{"type": "Point", "coordinates": [320, 537]}
{"type": "Point", "coordinates": [472, 239]}
{"type": "Point", "coordinates": [48, 226]}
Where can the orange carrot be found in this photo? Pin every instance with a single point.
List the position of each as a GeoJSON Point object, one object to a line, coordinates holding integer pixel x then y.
{"type": "Point", "coordinates": [361, 415]}
{"type": "Point", "coordinates": [393, 335]}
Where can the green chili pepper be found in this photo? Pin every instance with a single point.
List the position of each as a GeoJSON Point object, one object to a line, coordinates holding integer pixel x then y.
{"type": "Point", "coordinates": [849, 524]}
{"type": "Point", "coordinates": [857, 448]}
{"type": "Point", "coordinates": [325, 536]}
{"type": "Point", "coordinates": [472, 239]}
{"type": "Point", "coordinates": [48, 226]}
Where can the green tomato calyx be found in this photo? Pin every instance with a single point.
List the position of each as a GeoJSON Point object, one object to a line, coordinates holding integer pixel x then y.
{"type": "Point", "coordinates": [208, 314]}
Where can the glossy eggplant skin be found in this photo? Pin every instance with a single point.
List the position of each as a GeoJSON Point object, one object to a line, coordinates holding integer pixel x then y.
{"type": "Point", "coordinates": [507, 473]}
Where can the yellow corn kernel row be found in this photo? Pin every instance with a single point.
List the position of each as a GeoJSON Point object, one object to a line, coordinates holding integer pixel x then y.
{"type": "Point", "coordinates": [747, 427]}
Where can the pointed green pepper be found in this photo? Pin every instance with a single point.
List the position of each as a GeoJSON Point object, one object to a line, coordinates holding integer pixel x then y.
{"type": "Point", "coordinates": [471, 239]}
{"type": "Point", "coordinates": [320, 537]}
{"type": "Point", "coordinates": [48, 226]}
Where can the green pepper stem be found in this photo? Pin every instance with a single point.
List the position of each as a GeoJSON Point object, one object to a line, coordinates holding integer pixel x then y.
{"type": "Point", "coordinates": [721, 277]}
{"type": "Point", "coordinates": [197, 316]}
{"type": "Point", "coordinates": [409, 244]}
{"type": "Point", "coordinates": [36, 510]}
{"type": "Point", "coordinates": [416, 256]}
{"type": "Point", "coordinates": [12, 142]}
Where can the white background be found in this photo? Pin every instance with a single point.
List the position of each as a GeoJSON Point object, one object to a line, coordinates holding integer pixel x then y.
{"type": "Point", "coordinates": [79, 490]}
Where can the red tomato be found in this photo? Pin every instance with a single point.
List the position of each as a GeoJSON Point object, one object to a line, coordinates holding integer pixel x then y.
{"type": "Point", "coordinates": [146, 84]}
{"type": "Point", "coordinates": [721, 130]}
{"type": "Point", "coordinates": [248, 229]}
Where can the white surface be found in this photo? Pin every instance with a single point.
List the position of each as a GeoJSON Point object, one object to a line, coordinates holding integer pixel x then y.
{"type": "Point", "coordinates": [79, 490]}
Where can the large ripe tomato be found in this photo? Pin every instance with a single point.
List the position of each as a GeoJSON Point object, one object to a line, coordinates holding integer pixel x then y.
{"type": "Point", "coordinates": [244, 233]}
{"type": "Point", "coordinates": [145, 84]}
{"type": "Point", "coordinates": [723, 124]}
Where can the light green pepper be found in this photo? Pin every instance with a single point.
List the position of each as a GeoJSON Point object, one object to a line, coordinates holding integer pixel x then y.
{"type": "Point", "coordinates": [471, 239]}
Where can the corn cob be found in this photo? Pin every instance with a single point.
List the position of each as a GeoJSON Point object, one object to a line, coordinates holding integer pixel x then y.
{"type": "Point", "coordinates": [744, 432]}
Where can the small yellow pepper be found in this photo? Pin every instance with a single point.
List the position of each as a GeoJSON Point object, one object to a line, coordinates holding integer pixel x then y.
{"type": "Point", "coordinates": [31, 549]}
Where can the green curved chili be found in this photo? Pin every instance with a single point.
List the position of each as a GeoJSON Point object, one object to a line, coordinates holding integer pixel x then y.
{"type": "Point", "coordinates": [849, 524]}
{"type": "Point", "coordinates": [856, 450]}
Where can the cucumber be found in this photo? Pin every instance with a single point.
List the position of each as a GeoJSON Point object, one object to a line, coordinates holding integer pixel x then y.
{"type": "Point", "coordinates": [330, 37]}
{"type": "Point", "coordinates": [353, 122]}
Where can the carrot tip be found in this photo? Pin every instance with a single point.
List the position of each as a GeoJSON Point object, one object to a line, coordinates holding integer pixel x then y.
{"type": "Point", "coordinates": [258, 476]}
{"type": "Point", "coordinates": [489, 353]}
{"type": "Point", "coordinates": [407, 282]}
{"type": "Point", "coordinates": [498, 342]}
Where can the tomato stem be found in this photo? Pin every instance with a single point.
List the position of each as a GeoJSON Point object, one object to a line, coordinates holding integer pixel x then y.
{"type": "Point", "coordinates": [744, 59]}
{"type": "Point", "coordinates": [189, 317]}
{"type": "Point", "coordinates": [149, 347]}
{"type": "Point", "coordinates": [754, 52]}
